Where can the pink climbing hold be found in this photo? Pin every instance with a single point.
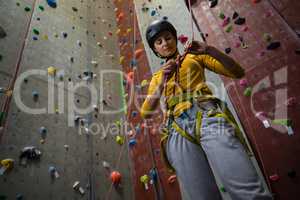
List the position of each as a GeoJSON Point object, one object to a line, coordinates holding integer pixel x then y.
{"type": "Point", "coordinates": [183, 39]}
{"type": "Point", "coordinates": [244, 82]}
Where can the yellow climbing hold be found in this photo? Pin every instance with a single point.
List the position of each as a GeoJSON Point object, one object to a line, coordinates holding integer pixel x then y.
{"type": "Point", "coordinates": [122, 58]}
{"type": "Point", "coordinates": [8, 163]}
{"type": "Point", "coordinates": [120, 139]}
{"type": "Point", "coordinates": [129, 30]}
{"type": "Point", "coordinates": [144, 83]}
{"type": "Point", "coordinates": [51, 71]}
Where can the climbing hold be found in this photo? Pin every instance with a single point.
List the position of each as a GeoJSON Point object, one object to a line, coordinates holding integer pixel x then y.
{"type": "Point", "coordinates": [138, 53]}
{"type": "Point", "coordinates": [248, 92]}
{"type": "Point", "coordinates": [228, 29]}
{"type": "Point", "coordinates": [267, 37]}
{"type": "Point", "coordinates": [104, 37]}
{"type": "Point", "coordinates": [222, 189]}
{"type": "Point", "coordinates": [35, 38]}
{"type": "Point", "coordinates": [235, 15]}
{"type": "Point", "coordinates": [115, 177]}
{"type": "Point", "coordinates": [1, 57]}
{"type": "Point", "coordinates": [134, 113]}
{"type": "Point", "coordinates": [128, 30]}
{"type": "Point", "coordinates": [105, 164]}
{"type": "Point", "coordinates": [30, 153]}
{"type": "Point", "coordinates": [133, 62]}
{"type": "Point", "coordinates": [222, 16]}
{"type": "Point", "coordinates": [262, 117]}
{"type": "Point", "coordinates": [145, 180]}
{"type": "Point", "coordinates": [74, 9]}
{"type": "Point", "coordinates": [122, 58]}
{"type": "Point", "coordinates": [225, 22]}
{"type": "Point", "coordinates": [228, 50]}
{"type": "Point", "coordinates": [6, 165]}
{"type": "Point", "coordinates": [144, 83]}
{"type": "Point", "coordinates": [52, 3]}
{"type": "Point", "coordinates": [27, 9]}
{"type": "Point", "coordinates": [120, 139]}
{"type": "Point", "coordinates": [212, 3]}
{"type": "Point", "coordinates": [64, 34]}
{"type": "Point", "coordinates": [273, 45]}
{"type": "Point", "coordinates": [66, 147]}
{"type": "Point", "coordinates": [240, 21]}
{"type": "Point", "coordinates": [41, 8]}
{"type": "Point", "coordinates": [51, 71]}
{"type": "Point", "coordinates": [283, 122]}
{"type": "Point", "coordinates": [243, 82]}
{"type": "Point", "coordinates": [35, 95]}
{"type": "Point", "coordinates": [79, 43]}
{"type": "Point", "coordinates": [172, 179]}
{"type": "Point", "coordinates": [274, 177]}
{"type": "Point", "coordinates": [53, 172]}
{"type": "Point", "coordinates": [153, 12]}
{"type": "Point", "coordinates": [2, 33]}
{"type": "Point", "coordinates": [132, 142]}
{"type": "Point", "coordinates": [153, 175]}
{"type": "Point", "coordinates": [183, 39]}
{"type": "Point", "coordinates": [35, 31]}
{"type": "Point", "coordinates": [78, 188]}
{"type": "Point", "coordinates": [43, 132]}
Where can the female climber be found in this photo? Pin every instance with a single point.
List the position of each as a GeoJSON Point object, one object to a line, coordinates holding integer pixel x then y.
{"type": "Point", "coordinates": [200, 133]}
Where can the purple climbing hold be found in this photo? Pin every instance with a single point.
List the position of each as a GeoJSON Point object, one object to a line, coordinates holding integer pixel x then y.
{"type": "Point", "coordinates": [228, 50]}
{"type": "Point", "coordinates": [240, 21]}
{"type": "Point", "coordinates": [273, 45]}
{"type": "Point", "coordinates": [235, 15]}
{"type": "Point", "coordinates": [34, 38]}
{"type": "Point", "coordinates": [52, 3]}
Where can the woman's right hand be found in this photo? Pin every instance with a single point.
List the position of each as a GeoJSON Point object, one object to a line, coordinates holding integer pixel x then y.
{"type": "Point", "coordinates": [168, 69]}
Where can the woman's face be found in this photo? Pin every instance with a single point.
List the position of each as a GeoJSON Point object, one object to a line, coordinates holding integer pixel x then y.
{"type": "Point", "coordinates": [165, 44]}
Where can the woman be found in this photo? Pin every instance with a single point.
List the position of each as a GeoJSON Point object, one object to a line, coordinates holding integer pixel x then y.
{"type": "Point", "coordinates": [200, 130]}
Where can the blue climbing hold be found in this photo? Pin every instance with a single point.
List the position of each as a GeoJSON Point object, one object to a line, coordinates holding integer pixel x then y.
{"type": "Point", "coordinates": [134, 113]}
{"type": "Point", "coordinates": [35, 38]}
{"type": "Point", "coordinates": [153, 12]}
{"type": "Point", "coordinates": [133, 62]}
{"type": "Point", "coordinates": [52, 3]}
{"type": "Point", "coordinates": [132, 142]}
{"type": "Point", "coordinates": [153, 174]}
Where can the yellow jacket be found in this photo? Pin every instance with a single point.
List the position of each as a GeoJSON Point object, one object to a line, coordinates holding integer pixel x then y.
{"type": "Point", "coordinates": [191, 78]}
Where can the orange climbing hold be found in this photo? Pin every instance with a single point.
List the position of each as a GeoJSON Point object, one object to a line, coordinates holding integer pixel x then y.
{"type": "Point", "coordinates": [138, 53]}
{"type": "Point", "coordinates": [115, 177]}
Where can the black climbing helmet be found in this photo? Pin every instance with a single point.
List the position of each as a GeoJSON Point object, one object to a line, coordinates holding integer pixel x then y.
{"type": "Point", "coordinates": [155, 28]}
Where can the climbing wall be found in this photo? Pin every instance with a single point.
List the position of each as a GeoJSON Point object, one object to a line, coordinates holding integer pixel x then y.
{"type": "Point", "coordinates": [262, 36]}
{"type": "Point", "coordinates": [61, 92]}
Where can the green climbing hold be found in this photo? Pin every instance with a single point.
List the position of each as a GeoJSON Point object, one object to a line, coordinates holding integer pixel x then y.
{"type": "Point", "coordinates": [248, 92]}
{"type": "Point", "coordinates": [222, 189]}
{"type": "Point", "coordinates": [35, 31]}
{"type": "Point", "coordinates": [27, 9]}
{"type": "Point", "coordinates": [18, 4]}
{"type": "Point", "coordinates": [41, 8]}
{"type": "Point", "coordinates": [284, 122]}
{"type": "Point", "coordinates": [228, 29]}
{"type": "Point", "coordinates": [221, 15]}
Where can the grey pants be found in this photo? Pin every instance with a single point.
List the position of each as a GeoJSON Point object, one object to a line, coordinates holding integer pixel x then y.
{"type": "Point", "coordinates": [225, 153]}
